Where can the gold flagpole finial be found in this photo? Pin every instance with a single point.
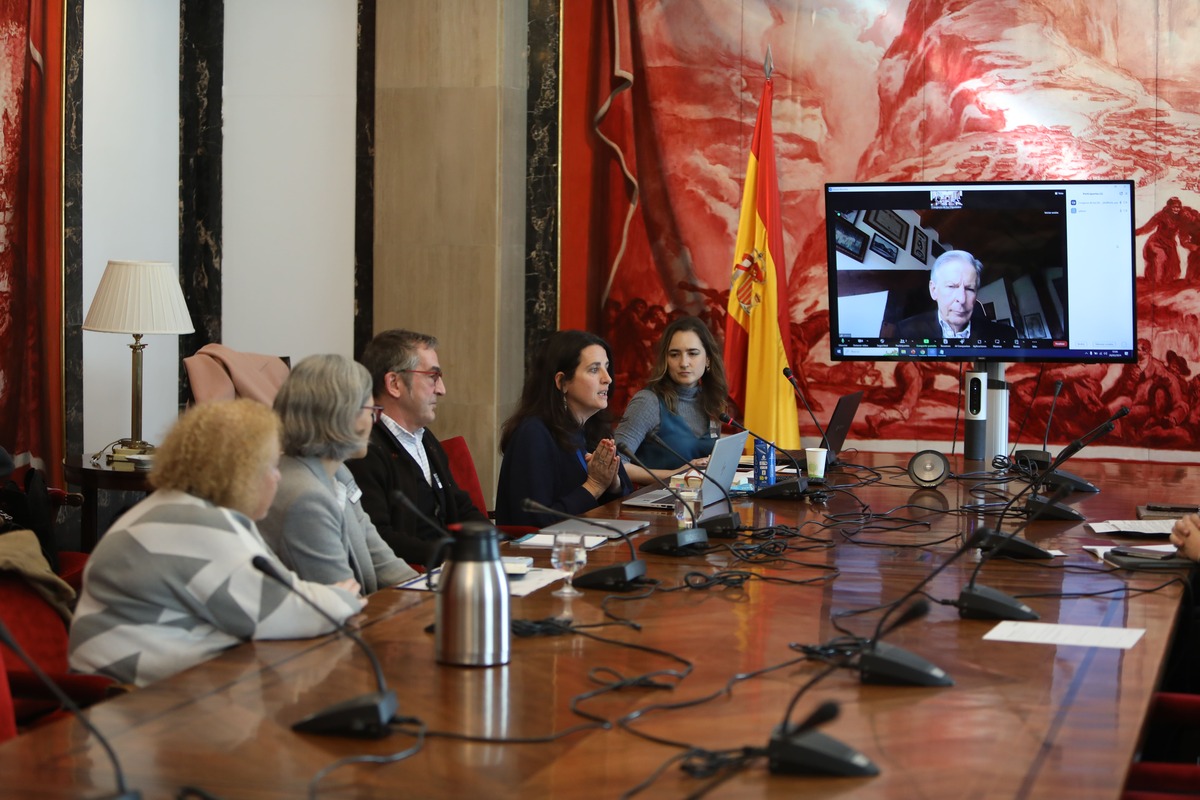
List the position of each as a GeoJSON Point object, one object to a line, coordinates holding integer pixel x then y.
{"type": "Point", "coordinates": [768, 64]}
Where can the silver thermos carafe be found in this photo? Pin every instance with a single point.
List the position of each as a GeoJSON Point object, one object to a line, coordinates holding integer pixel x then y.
{"type": "Point", "coordinates": [473, 605]}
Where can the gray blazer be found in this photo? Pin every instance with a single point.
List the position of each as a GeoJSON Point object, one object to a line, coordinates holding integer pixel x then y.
{"type": "Point", "coordinates": [323, 540]}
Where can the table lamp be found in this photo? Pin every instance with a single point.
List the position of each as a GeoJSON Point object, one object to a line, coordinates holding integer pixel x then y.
{"type": "Point", "coordinates": [138, 297]}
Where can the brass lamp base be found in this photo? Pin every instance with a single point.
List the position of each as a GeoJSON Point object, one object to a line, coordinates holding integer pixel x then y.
{"type": "Point", "coordinates": [131, 454]}
{"type": "Point", "coordinates": [132, 447]}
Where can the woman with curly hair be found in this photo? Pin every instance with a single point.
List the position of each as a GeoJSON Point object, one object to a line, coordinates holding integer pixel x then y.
{"type": "Point", "coordinates": [172, 584]}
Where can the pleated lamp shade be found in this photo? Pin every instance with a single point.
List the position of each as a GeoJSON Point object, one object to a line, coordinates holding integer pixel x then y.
{"type": "Point", "coordinates": [138, 297]}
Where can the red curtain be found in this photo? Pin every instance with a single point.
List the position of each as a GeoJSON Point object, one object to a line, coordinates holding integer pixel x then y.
{"type": "Point", "coordinates": [31, 289]}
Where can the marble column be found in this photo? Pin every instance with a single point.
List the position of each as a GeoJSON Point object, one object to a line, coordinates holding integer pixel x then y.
{"type": "Point", "coordinates": [541, 195]}
{"type": "Point", "coordinates": [201, 59]}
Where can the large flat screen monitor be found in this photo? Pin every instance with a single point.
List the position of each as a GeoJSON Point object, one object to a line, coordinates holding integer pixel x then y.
{"type": "Point", "coordinates": [1052, 278]}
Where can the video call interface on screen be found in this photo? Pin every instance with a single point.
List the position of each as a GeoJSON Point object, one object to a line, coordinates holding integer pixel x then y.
{"type": "Point", "coordinates": [1057, 281]}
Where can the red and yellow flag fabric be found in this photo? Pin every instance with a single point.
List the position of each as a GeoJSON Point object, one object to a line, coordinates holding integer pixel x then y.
{"type": "Point", "coordinates": [757, 331]}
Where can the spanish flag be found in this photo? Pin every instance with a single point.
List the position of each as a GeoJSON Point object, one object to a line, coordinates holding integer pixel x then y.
{"type": "Point", "coordinates": [757, 333]}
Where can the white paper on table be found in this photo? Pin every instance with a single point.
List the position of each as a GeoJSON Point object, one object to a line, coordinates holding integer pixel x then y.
{"type": "Point", "coordinates": [1056, 634]}
{"type": "Point", "coordinates": [518, 586]}
{"type": "Point", "coordinates": [546, 540]}
{"type": "Point", "coordinates": [1140, 527]}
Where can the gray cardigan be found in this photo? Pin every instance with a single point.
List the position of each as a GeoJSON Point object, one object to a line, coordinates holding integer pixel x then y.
{"type": "Point", "coordinates": [323, 540]}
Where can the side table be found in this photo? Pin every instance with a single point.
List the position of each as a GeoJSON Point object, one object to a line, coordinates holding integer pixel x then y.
{"type": "Point", "coordinates": [91, 478]}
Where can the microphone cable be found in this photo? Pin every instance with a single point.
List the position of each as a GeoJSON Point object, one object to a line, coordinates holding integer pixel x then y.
{"type": "Point", "coordinates": [737, 579]}
{"type": "Point", "coordinates": [795, 532]}
{"type": "Point", "coordinates": [661, 770]}
{"type": "Point", "coordinates": [373, 759]}
{"type": "Point", "coordinates": [774, 552]}
{"type": "Point", "coordinates": [1118, 592]}
{"type": "Point", "coordinates": [700, 762]}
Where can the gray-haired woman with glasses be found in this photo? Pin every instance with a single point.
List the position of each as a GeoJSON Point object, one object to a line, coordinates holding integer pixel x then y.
{"type": "Point", "coordinates": [316, 524]}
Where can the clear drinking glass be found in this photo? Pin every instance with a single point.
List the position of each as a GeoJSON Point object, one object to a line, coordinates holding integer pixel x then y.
{"type": "Point", "coordinates": [569, 554]}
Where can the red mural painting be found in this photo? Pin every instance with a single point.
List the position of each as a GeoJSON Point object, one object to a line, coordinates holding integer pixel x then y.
{"type": "Point", "coordinates": [892, 91]}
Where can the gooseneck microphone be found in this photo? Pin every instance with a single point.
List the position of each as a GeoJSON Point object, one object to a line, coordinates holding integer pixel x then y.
{"type": "Point", "coordinates": [786, 490]}
{"type": "Point", "coordinates": [890, 664]}
{"type": "Point", "coordinates": [720, 525]}
{"type": "Point", "coordinates": [1058, 510]}
{"type": "Point", "coordinates": [881, 662]}
{"type": "Point", "coordinates": [677, 543]}
{"type": "Point", "coordinates": [611, 578]}
{"type": "Point", "coordinates": [801, 750]}
{"type": "Point", "coordinates": [367, 716]}
{"type": "Point", "coordinates": [977, 601]}
{"type": "Point", "coordinates": [123, 791]}
{"type": "Point", "coordinates": [1038, 460]}
{"type": "Point", "coordinates": [1058, 385]}
{"type": "Point", "coordinates": [787, 373]}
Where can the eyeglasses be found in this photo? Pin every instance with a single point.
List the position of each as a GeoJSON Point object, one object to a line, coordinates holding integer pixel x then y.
{"type": "Point", "coordinates": [376, 412]}
{"type": "Point", "coordinates": [435, 375]}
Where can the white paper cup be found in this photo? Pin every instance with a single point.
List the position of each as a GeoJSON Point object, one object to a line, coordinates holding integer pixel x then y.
{"type": "Point", "coordinates": [816, 461]}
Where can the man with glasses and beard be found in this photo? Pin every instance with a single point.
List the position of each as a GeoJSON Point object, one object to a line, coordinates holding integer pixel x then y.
{"type": "Point", "coordinates": [403, 454]}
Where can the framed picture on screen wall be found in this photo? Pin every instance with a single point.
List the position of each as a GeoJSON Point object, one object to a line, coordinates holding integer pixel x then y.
{"type": "Point", "coordinates": [889, 223]}
{"type": "Point", "coordinates": [920, 245]}
{"type": "Point", "coordinates": [885, 248]}
{"type": "Point", "coordinates": [850, 240]}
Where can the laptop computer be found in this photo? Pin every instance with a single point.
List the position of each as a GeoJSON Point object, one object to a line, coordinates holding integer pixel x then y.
{"type": "Point", "coordinates": [722, 465]}
{"type": "Point", "coordinates": [839, 426]}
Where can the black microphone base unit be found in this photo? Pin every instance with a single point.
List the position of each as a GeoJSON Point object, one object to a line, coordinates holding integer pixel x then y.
{"type": "Point", "coordinates": [1033, 460]}
{"type": "Point", "coordinates": [984, 602]}
{"type": "Point", "coordinates": [365, 717]}
{"type": "Point", "coordinates": [1073, 482]}
{"type": "Point", "coordinates": [723, 526]}
{"type": "Point", "coordinates": [888, 664]}
{"type": "Point", "coordinates": [814, 753]}
{"type": "Point", "coordinates": [683, 542]}
{"type": "Point", "coordinates": [1013, 547]}
{"type": "Point", "coordinates": [1042, 508]}
{"type": "Point", "coordinates": [613, 578]}
{"type": "Point", "coordinates": [792, 489]}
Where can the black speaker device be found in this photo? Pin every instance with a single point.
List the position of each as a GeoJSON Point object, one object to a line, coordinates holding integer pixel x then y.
{"type": "Point", "coordinates": [928, 468]}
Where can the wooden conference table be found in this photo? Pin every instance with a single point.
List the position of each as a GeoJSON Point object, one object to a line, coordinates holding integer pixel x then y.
{"type": "Point", "coordinates": [1022, 720]}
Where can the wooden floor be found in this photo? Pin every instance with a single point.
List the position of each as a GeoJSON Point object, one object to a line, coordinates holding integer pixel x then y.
{"type": "Point", "coordinates": [1021, 720]}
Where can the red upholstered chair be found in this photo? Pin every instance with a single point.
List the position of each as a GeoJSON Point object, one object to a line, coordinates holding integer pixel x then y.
{"type": "Point", "coordinates": [8, 720]}
{"type": "Point", "coordinates": [39, 630]}
{"type": "Point", "coordinates": [70, 568]}
{"type": "Point", "coordinates": [462, 465]}
{"type": "Point", "coordinates": [1161, 780]}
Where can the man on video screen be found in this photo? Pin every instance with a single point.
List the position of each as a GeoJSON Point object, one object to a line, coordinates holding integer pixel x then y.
{"type": "Point", "coordinates": [953, 284]}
